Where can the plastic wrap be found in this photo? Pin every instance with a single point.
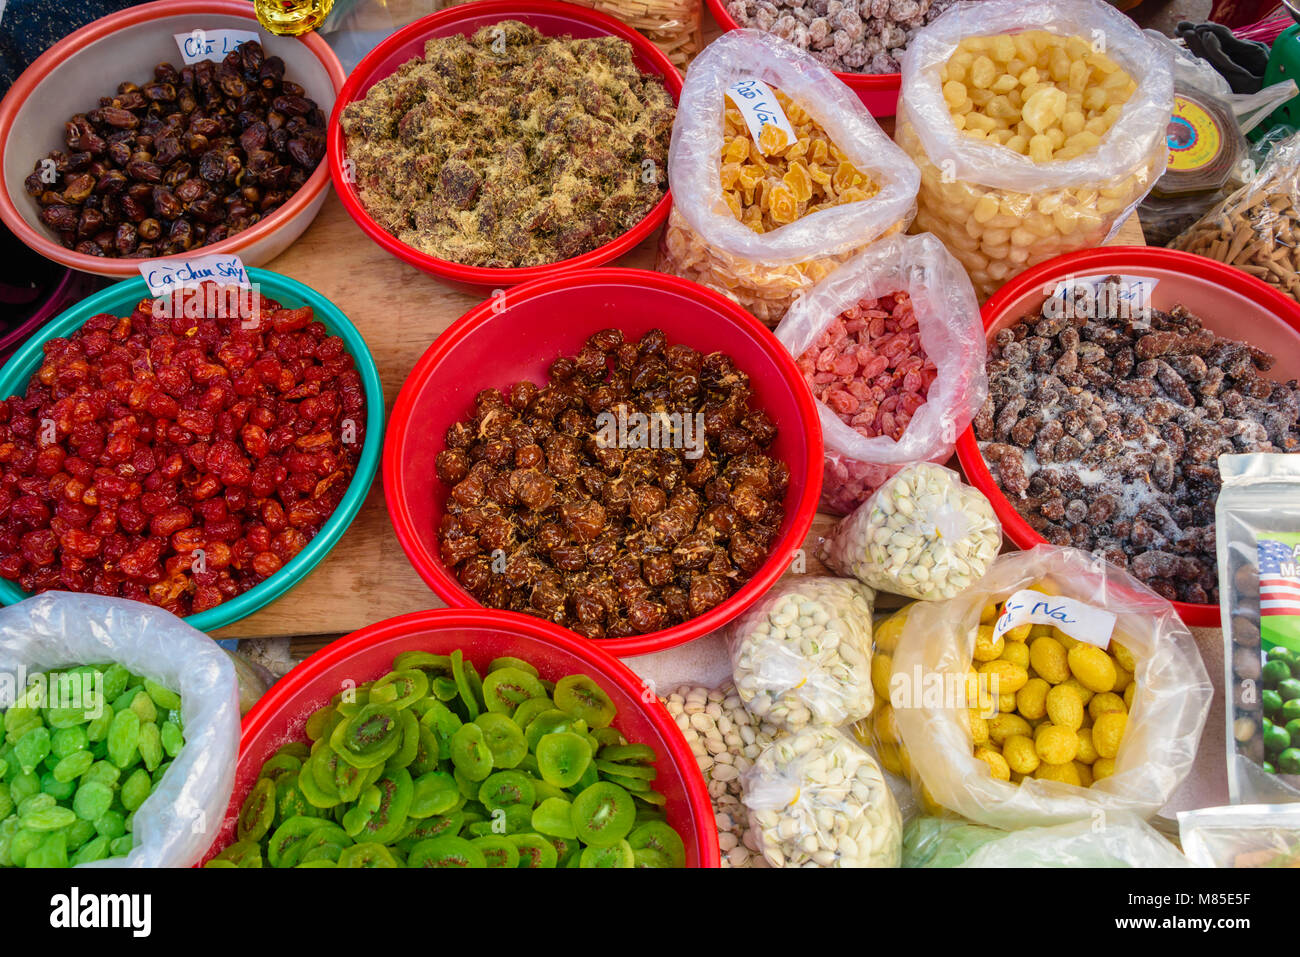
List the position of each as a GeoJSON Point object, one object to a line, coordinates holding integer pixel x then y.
{"type": "Point", "coordinates": [1257, 534]}
{"type": "Point", "coordinates": [176, 824]}
{"type": "Point", "coordinates": [923, 534]}
{"type": "Point", "coordinates": [816, 799]}
{"type": "Point", "coordinates": [1247, 835]}
{"type": "Point", "coordinates": [998, 211]}
{"type": "Point", "coordinates": [1121, 840]}
{"type": "Point", "coordinates": [1165, 718]}
{"type": "Point", "coordinates": [952, 335]}
{"type": "Point", "coordinates": [803, 654]}
{"type": "Point", "coordinates": [1257, 228]}
{"type": "Point", "coordinates": [705, 242]}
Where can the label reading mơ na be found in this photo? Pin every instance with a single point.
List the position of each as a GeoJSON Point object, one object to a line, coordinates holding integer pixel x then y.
{"type": "Point", "coordinates": [1077, 619]}
{"type": "Point", "coordinates": [215, 45]}
{"type": "Point", "coordinates": [760, 108]}
{"type": "Point", "coordinates": [165, 276]}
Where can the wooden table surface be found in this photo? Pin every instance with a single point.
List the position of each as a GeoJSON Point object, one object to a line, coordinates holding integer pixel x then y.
{"type": "Point", "coordinates": [400, 311]}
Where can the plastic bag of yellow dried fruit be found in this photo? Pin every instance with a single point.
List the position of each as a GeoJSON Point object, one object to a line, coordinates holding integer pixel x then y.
{"type": "Point", "coordinates": [1038, 126]}
{"type": "Point", "coordinates": [778, 172]}
{"type": "Point", "coordinates": [1057, 687]}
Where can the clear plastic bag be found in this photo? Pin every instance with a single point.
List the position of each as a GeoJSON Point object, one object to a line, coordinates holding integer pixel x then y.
{"type": "Point", "coordinates": [1165, 718]}
{"type": "Point", "coordinates": [818, 789]}
{"type": "Point", "coordinates": [1245, 835]}
{"type": "Point", "coordinates": [802, 655]}
{"type": "Point", "coordinates": [923, 534]}
{"type": "Point", "coordinates": [705, 242]}
{"type": "Point", "coordinates": [176, 824]}
{"type": "Point", "coordinates": [1257, 534]}
{"type": "Point", "coordinates": [998, 211]}
{"type": "Point", "coordinates": [1121, 840]}
{"type": "Point", "coordinates": [1257, 228]}
{"type": "Point", "coordinates": [951, 333]}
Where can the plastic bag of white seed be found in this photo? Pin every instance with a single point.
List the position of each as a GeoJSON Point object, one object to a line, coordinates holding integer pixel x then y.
{"type": "Point", "coordinates": [817, 799]}
{"type": "Point", "coordinates": [802, 655]}
{"type": "Point", "coordinates": [779, 174]}
{"type": "Point", "coordinates": [893, 348]}
{"type": "Point", "coordinates": [1064, 611]}
{"type": "Point", "coordinates": [923, 534]}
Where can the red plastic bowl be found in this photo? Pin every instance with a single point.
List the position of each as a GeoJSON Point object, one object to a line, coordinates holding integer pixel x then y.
{"type": "Point", "coordinates": [877, 91]}
{"type": "Point", "coordinates": [1231, 303]}
{"type": "Point", "coordinates": [279, 716]}
{"type": "Point", "coordinates": [551, 19]}
{"type": "Point", "coordinates": [519, 334]}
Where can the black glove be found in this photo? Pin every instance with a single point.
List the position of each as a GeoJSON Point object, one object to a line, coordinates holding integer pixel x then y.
{"type": "Point", "coordinates": [1240, 62]}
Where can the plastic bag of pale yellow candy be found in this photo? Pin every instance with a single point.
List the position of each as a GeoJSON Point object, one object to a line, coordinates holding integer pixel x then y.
{"type": "Point", "coordinates": [1056, 688]}
{"type": "Point", "coordinates": [1038, 126]}
{"type": "Point", "coordinates": [760, 225]}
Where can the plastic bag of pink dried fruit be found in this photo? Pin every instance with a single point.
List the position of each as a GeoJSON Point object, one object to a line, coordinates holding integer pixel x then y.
{"type": "Point", "coordinates": [893, 348]}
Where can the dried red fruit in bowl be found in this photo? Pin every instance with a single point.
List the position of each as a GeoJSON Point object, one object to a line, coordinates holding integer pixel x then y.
{"type": "Point", "coordinates": [179, 461]}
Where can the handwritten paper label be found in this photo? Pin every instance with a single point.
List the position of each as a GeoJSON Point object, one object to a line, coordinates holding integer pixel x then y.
{"type": "Point", "coordinates": [1129, 298]}
{"type": "Point", "coordinates": [165, 276]}
{"type": "Point", "coordinates": [758, 105]}
{"type": "Point", "coordinates": [215, 45]}
{"type": "Point", "coordinates": [1077, 619]}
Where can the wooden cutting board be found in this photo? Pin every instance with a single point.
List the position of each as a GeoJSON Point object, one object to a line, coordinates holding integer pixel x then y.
{"type": "Point", "coordinates": [400, 311]}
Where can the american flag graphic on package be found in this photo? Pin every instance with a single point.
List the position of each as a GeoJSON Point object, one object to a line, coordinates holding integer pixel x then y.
{"type": "Point", "coordinates": [1279, 589]}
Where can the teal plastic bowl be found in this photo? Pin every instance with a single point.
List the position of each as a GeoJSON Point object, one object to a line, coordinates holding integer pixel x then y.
{"type": "Point", "coordinates": [119, 300]}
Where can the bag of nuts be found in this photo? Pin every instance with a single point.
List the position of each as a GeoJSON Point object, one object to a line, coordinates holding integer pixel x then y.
{"type": "Point", "coordinates": [817, 799]}
{"type": "Point", "coordinates": [1038, 126]}
{"type": "Point", "coordinates": [1257, 228]}
{"type": "Point", "coordinates": [923, 534]}
{"type": "Point", "coordinates": [802, 655]}
{"type": "Point", "coordinates": [893, 347]}
{"type": "Point", "coordinates": [761, 219]}
{"type": "Point", "coordinates": [941, 704]}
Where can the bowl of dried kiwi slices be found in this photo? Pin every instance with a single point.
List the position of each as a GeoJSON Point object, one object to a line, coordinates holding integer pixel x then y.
{"type": "Point", "coordinates": [464, 738]}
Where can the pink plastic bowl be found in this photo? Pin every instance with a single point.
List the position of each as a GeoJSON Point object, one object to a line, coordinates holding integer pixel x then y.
{"type": "Point", "coordinates": [877, 91]}
{"type": "Point", "coordinates": [70, 77]}
{"type": "Point", "coordinates": [279, 716]}
{"type": "Point", "coordinates": [1231, 303]}
{"type": "Point", "coordinates": [519, 334]}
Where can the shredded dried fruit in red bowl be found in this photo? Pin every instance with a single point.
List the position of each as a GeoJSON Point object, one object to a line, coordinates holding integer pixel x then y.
{"type": "Point", "coordinates": [177, 461]}
{"type": "Point", "coordinates": [870, 368]}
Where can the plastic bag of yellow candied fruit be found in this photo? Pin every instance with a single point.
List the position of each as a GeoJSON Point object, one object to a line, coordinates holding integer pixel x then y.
{"type": "Point", "coordinates": [1037, 126]}
{"type": "Point", "coordinates": [760, 221]}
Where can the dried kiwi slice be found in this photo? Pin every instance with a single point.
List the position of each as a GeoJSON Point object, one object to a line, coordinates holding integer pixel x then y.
{"type": "Point", "coordinates": [505, 689]}
{"type": "Point", "coordinates": [241, 854]}
{"type": "Point", "coordinates": [562, 758]}
{"type": "Point", "coordinates": [554, 818]}
{"type": "Point", "coordinates": [535, 851]}
{"type": "Point", "coordinates": [580, 695]}
{"type": "Point", "coordinates": [433, 793]}
{"type": "Point", "coordinates": [641, 754]}
{"type": "Point", "coordinates": [445, 852]}
{"type": "Point", "coordinates": [530, 709]}
{"type": "Point", "coordinates": [470, 752]}
{"type": "Point", "coordinates": [506, 788]}
{"type": "Point", "coordinates": [505, 661]}
{"type": "Point", "coordinates": [401, 689]}
{"type": "Point", "coordinates": [603, 814]}
{"type": "Point", "coordinates": [658, 836]}
{"type": "Point", "coordinates": [427, 753]}
{"type": "Point", "coordinates": [460, 672]}
{"type": "Point", "coordinates": [618, 854]}
{"type": "Point", "coordinates": [257, 813]}
{"type": "Point", "coordinates": [281, 764]}
{"type": "Point", "coordinates": [287, 840]}
{"type": "Point", "coordinates": [381, 811]}
{"type": "Point", "coordinates": [368, 854]}
{"type": "Point", "coordinates": [504, 739]}
{"type": "Point", "coordinates": [410, 745]}
{"type": "Point", "coordinates": [370, 737]}
{"type": "Point", "coordinates": [497, 850]}
{"type": "Point", "coordinates": [425, 661]}
{"type": "Point", "coordinates": [551, 722]}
